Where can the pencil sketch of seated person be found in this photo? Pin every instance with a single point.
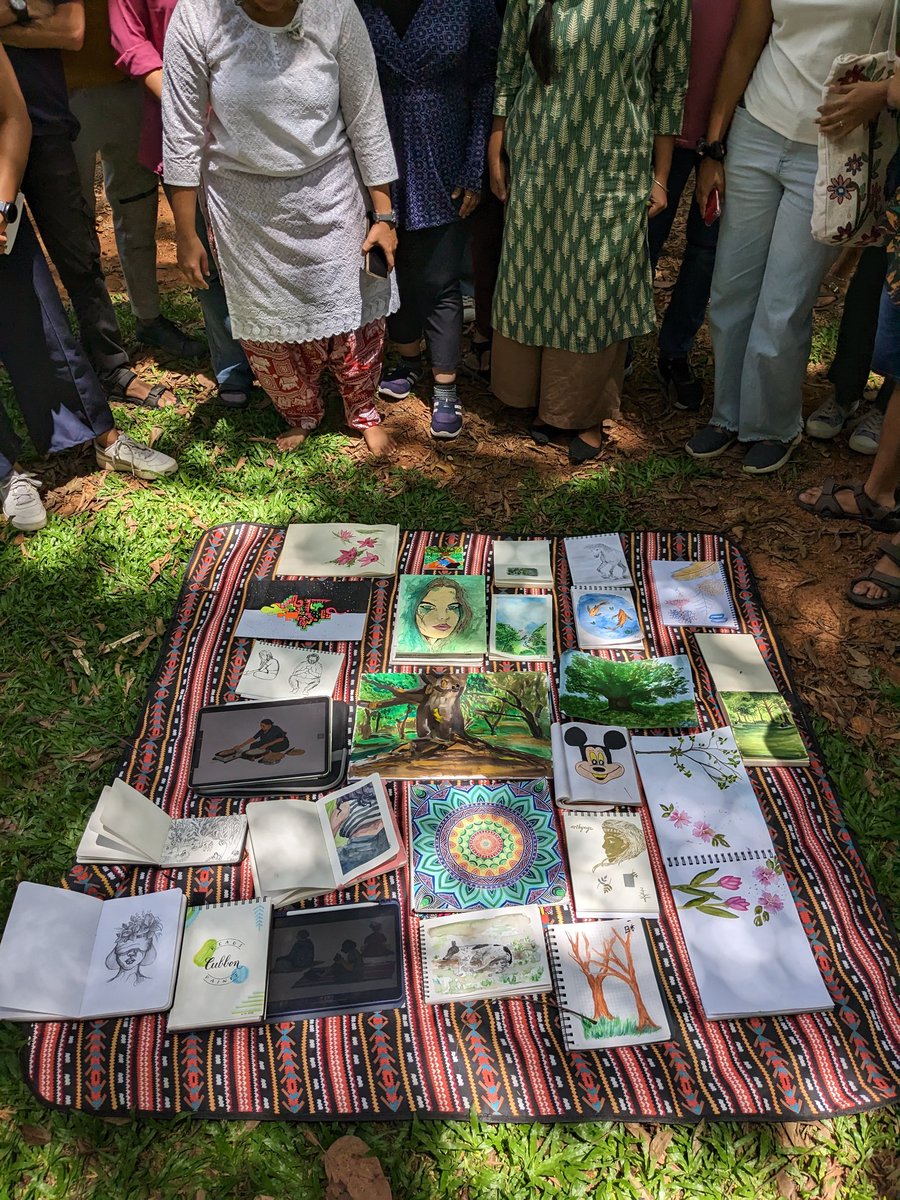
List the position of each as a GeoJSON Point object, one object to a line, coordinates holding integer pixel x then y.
{"type": "Point", "coordinates": [268, 745]}
{"type": "Point", "coordinates": [306, 676]}
{"type": "Point", "coordinates": [268, 667]}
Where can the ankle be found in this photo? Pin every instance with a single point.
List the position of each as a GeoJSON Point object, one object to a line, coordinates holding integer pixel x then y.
{"type": "Point", "coordinates": [445, 391]}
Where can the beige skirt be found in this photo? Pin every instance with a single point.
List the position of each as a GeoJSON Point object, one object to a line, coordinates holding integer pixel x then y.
{"type": "Point", "coordinates": [569, 390]}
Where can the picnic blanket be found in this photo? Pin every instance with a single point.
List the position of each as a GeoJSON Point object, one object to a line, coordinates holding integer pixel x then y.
{"type": "Point", "coordinates": [503, 1059]}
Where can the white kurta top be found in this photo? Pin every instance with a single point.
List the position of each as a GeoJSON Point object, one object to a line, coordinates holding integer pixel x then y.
{"type": "Point", "coordinates": [282, 127]}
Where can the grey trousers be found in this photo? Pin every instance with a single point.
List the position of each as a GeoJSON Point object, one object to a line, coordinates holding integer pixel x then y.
{"type": "Point", "coordinates": [110, 119]}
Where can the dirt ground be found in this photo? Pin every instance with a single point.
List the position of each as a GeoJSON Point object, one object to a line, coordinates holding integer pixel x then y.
{"type": "Point", "coordinates": [839, 653]}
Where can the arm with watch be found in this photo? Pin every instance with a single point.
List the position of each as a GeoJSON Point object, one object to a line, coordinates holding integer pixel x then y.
{"type": "Point", "coordinates": [15, 140]}
{"type": "Point", "coordinates": [748, 40]}
{"type": "Point", "coordinates": [42, 24]}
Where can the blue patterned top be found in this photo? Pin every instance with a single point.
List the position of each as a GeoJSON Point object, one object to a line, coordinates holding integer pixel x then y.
{"type": "Point", "coordinates": [438, 87]}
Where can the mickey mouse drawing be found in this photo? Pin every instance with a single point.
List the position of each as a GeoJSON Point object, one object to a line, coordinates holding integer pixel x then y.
{"type": "Point", "coordinates": [597, 764]}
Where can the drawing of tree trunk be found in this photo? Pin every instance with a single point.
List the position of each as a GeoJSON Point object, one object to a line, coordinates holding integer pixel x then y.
{"type": "Point", "coordinates": [613, 958]}
{"type": "Point", "coordinates": [622, 967]}
{"type": "Point", "coordinates": [404, 720]}
{"type": "Point", "coordinates": [585, 960]}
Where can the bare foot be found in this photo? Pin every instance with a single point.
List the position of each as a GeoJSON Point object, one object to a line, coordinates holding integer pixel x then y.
{"type": "Point", "coordinates": [378, 440]}
{"type": "Point", "coordinates": [292, 439]}
{"type": "Point", "coordinates": [886, 566]}
{"type": "Point", "coordinates": [593, 437]}
{"type": "Point", "coordinates": [138, 392]}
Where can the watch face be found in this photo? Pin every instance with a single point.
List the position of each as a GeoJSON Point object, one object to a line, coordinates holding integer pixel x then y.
{"type": "Point", "coordinates": [9, 212]}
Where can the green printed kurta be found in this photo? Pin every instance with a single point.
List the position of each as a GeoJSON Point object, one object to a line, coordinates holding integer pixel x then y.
{"type": "Point", "coordinates": [574, 272]}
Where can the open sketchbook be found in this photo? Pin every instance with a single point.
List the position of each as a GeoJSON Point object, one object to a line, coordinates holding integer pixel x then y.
{"type": "Point", "coordinates": [748, 949]}
{"type": "Point", "coordinates": [593, 766]}
{"type": "Point", "coordinates": [69, 956]}
{"type": "Point", "coordinates": [306, 610]}
{"type": "Point", "coordinates": [609, 867]}
{"type": "Point", "coordinates": [288, 673]}
{"type": "Point", "coordinates": [484, 955]}
{"type": "Point", "coordinates": [760, 717]}
{"type": "Point", "coordinates": [340, 549]}
{"type": "Point", "coordinates": [126, 827]}
{"type": "Point", "coordinates": [300, 849]}
{"type": "Point", "coordinates": [606, 986]}
{"type": "Point", "coordinates": [693, 593]}
{"type": "Point", "coordinates": [598, 560]}
{"type": "Point", "coordinates": [222, 974]}
{"type": "Point", "coordinates": [522, 564]}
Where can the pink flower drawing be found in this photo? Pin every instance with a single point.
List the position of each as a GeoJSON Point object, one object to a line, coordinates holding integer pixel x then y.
{"type": "Point", "coordinates": [346, 535]}
{"type": "Point", "coordinates": [346, 558]}
{"type": "Point", "coordinates": [680, 819]}
{"type": "Point", "coordinates": [770, 902]}
{"type": "Point", "coordinates": [737, 903]}
{"type": "Point", "coordinates": [764, 875]}
{"type": "Point", "coordinates": [368, 558]}
{"type": "Point", "coordinates": [730, 883]}
{"type": "Point", "coordinates": [368, 542]}
{"type": "Point", "coordinates": [703, 831]}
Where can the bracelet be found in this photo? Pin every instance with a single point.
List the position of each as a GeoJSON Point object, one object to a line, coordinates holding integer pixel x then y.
{"type": "Point", "coordinates": [660, 185]}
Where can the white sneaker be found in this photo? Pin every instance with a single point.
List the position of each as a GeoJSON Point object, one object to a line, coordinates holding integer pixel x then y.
{"type": "Point", "coordinates": [865, 437]}
{"type": "Point", "coordinates": [22, 505]}
{"type": "Point", "coordinates": [134, 458]}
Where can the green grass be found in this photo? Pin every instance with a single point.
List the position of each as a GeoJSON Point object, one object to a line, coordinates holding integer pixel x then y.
{"type": "Point", "coordinates": [72, 692]}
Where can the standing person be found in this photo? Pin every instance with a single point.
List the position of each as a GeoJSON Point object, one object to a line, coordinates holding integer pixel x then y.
{"type": "Point", "coordinates": [769, 266]}
{"type": "Point", "coordinates": [138, 31]}
{"type": "Point", "coordinates": [587, 133]}
{"type": "Point", "coordinates": [274, 107]}
{"type": "Point", "coordinates": [52, 187]}
{"type": "Point", "coordinates": [108, 109]}
{"type": "Point", "coordinates": [436, 62]}
{"type": "Point", "coordinates": [711, 25]}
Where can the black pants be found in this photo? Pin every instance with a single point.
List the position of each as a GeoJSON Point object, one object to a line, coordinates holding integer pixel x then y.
{"type": "Point", "coordinates": [55, 386]}
{"type": "Point", "coordinates": [52, 187]}
{"type": "Point", "coordinates": [429, 265]}
{"type": "Point", "coordinates": [859, 323]}
{"type": "Point", "coordinates": [485, 228]}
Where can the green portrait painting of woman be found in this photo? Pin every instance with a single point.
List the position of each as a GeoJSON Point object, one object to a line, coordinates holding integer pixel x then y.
{"type": "Point", "coordinates": [441, 616]}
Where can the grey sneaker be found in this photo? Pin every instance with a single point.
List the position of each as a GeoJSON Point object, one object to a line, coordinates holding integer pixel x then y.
{"type": "Point", "coordinates": [22, 506]}
{"type": "Point", "coordinates": [865, 437]}
{"type": "Point", "coordinates": [710, 442]}
{"type": "Point", "coordinates": [829, 419]}
{"type": "Point", "coordinates": [134, 458]}
{"type": "Point", "coordinates": [763, 458]}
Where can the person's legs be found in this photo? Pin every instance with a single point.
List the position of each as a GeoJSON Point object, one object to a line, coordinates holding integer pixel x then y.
{"type": "Point", "coordinates": [485, 229]}
{"type": "Point", "coordinates": [659, 227]}
{"type": "Point", "coordinates": [355, 361]}
{"type": "Point", "coordinates": [849, 369]}
{"type": "Point", "coordinates": [233, 372]}
{"type": "Point", "coordinates": [290, 373]}
{"type": "Point", "coordinates": [687, 306]}
{"type": "Point", "coordinates": [406, 326]}
{"type": "Point", "coordinates": [883, 481]}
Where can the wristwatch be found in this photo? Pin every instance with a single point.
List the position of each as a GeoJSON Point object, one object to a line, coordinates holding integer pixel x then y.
{"type": "Point", "coordinates": [9, 211]}
{"type": "Point", "coordinates": [388, 218]}
{"type": "Point", "coordinates": [19, 9]}
{"type": "Point", "coordinates": [714, 150]}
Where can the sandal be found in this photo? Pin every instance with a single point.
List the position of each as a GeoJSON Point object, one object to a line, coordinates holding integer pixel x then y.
{"type": "Point", "coordinates": [828, 507]}
{"type": "Point", "coordinates": [117, 391]}
{"type": "Point", "coordinates": [890, 583]}
{"type": "Point", "coordinates": [474, 360]}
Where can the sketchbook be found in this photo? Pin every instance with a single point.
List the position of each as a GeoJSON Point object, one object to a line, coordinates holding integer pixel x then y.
{"type": "Point", "coordinates": [593, 766]}
{"type": "Point", "coordinates": [609, 867]}
{"type": "Point", "coordinates": [285, 673]}
{"type": "Point", "coordinates": [299, 848]}
{"type": "Point", "coordinates": [318, 610]}
{"type": "Point", "coordinates": [759, 716]}
{"type": "Point", "coordinates": [440, 620]}
{"type": "Point", "coordinates": [341, 549]}
{"type": "Point", "coordinates": [748, 949]}
{"type": "Point", "coordinates": [606, 985]}
{"type": "Point", "coordinates": [222, 972]}
{"type": "Point", "coordinates": [484, 846]}
{"type": "Point", "coordinates": [693, 593]}
{"type": "Point", "coordinates": [484, 956]}
{"type": "Point", "coordinates": [522, 628]}
{"type": "Point", "coordinates": [126, 827]}
{"type": "Point", "coordinates": [606, 619]}
{"type": "Point", "coordinates": [67, 956]}
{"type": "Point", "coordinates": [598, 559]}
{"type": "Point", "coordinates": [522, 564]}
{"type": "Point", "coordinates": [640, 693]}
{"type": "Point", "coordinates": [341, 959]}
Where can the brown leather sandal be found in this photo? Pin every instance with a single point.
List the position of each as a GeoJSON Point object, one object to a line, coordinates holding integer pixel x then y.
{"type": "Point", "coordinates": [890, 583]}
{"type": "Point", "coordinates": [828, 507]}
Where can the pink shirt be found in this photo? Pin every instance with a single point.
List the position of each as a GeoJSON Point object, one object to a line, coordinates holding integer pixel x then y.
{"type": "Point", "coordinates": [712, 22]}
{"type": "Point", "coordinates": [138, 29]}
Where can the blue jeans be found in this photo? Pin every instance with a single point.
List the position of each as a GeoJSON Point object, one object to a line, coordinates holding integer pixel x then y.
{"type": "Point", "coordinates": [687, 304]}
{"type": "Point", "coordinates": [886, 358]}
{"type": "Point", "coordinates": [767, 274]}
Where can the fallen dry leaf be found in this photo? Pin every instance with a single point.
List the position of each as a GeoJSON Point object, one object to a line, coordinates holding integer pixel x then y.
{"type": "Point", "coordinates": [354, 1173]}
{"type": "Point", "coordinates": [35, 1135]}
{"type": "Point", "coordinates": [660, 1143]}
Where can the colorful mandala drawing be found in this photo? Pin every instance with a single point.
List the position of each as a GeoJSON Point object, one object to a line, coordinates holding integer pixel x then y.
{"type": "Point", "coordinates": [484, 846]}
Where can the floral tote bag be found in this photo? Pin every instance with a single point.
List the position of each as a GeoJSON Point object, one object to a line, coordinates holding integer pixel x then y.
{"type": "Point", "coordinates": [849, 197]}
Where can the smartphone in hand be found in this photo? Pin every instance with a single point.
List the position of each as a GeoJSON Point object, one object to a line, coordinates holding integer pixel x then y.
{"type": "Point", "coordinates": [713, 208]}
{"type": "Point", "coordinates": [376, 263]}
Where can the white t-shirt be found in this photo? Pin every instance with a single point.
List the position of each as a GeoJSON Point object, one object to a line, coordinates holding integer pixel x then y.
{"type": "Point", "coordinates": [785, 89]}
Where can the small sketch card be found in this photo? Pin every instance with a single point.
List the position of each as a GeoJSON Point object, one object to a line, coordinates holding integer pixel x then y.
{"type": "Point", "coordinates": [522, 564]}
{"type": "Point", "coordinates": [341, 549]}
{"type": "Point", "coordinates": [598, 559]}
{"type": "Point", "coordinates": [593, 766]}
{"type": "Point", "coordinates": [484, 955]}
{"type": "Point", "coordinates": [609, 867]}
{"type": "Point", "coordinates": [522, 628]}
{"type": "Point", "coordinates": [693, 593]}
{"type": "Point", "coordinates": [286, 673]}
{"type": "Point", "coordinates": [606, 618]}
{"type": "Point", "coordinates": [488, 845]}
{"type": "Point", "coordinates": [606, 985]}
{"type": "Point", "coordinates": [443, 560]}
{"type": "Point", "coordinates": [307, 611]}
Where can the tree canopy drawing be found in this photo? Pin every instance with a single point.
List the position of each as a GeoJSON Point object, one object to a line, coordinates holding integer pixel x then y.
{"type": "Point", "coordinates": [648, 693]}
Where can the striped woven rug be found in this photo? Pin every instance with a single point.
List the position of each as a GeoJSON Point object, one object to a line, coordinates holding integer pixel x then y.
{"type": "Point", "coordinates": [504, 1060]}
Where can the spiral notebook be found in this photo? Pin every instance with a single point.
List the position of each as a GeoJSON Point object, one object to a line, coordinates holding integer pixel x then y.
{"type": "Point", "coordinates": [693, 593]}
{"type": "Point", "coordinates": [606, 618]}
{"type": "Point", "coordinates": [606, 985]}
{"type": "Point", "coordinates": [749, 951]}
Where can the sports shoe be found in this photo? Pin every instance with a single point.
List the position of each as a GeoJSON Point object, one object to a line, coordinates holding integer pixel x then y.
{"type": "Point", "coordinates": [829, 419]}
{"type": "Point", "coordinates": [164, 334]}
{"type": "Point", "coordinates": [710, 442]}
{"type": "Point", "coordinates": [134, 458]}
{"type": "Point", "coordinates": [446, 418]}
{"type": "Point", "coordinates": [865, 437]}
{"type": "Point", "coordinates": [765, 457]}
{"type": "Point", "coordinates": [680, 383]}
{"type": "Point", "coordinates": [399, 383]}
{"type": "Point", "coordinates": [22, 506]}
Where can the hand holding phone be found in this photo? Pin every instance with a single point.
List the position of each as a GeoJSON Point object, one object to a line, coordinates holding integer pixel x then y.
{"type": "Point", "coordinates": [376, 263]}
{"type": "Point", "coordinates": [713, 207]}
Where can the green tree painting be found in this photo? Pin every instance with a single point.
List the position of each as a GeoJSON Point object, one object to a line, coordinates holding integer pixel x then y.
{"type": "Point", "coordinates": [651, 693]}
{"type": "Point", "coordinates": [763, 727]}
